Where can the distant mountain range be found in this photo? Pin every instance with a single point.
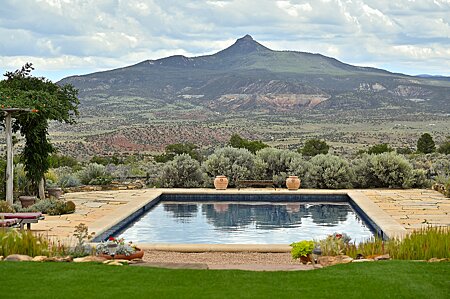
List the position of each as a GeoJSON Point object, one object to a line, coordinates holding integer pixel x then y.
{"type": "Point", "coordinates": [248, 77]}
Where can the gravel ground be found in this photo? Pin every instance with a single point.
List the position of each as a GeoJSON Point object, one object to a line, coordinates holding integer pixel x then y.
{"type": "Point", "coordinates": [220, 258]}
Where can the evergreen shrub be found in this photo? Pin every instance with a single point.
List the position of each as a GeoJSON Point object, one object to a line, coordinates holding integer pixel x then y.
{"type": "Point", "coordinates": [234, 163]}
{"type": "Point", "coordinates": [182, 171]}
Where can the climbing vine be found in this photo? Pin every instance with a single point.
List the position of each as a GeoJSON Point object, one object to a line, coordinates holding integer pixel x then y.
{"type": "Point", "coordinates": [45, 101]}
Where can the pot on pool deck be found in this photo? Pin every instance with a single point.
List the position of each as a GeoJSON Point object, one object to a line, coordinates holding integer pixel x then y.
{"type": "Point", "coordinates": [221, 182]}
{"type": "Point", "coordinates": [27, 201]}
{"type": "Point", "coordinates": [293, 182]}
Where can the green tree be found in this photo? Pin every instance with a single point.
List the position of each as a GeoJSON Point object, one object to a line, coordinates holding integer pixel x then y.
{"type": "Point", "coordinates": [444, 148]}
{"type": "Point", "coordinates": [175, 149]}
{"type": "Point", "coordinates": [425, 144]}
{"type": "Point", "coordinates": [379, 149]}
{"type": "Point", "coordinates": [314, 147]}
{"type": "Point", "coordinates": [237, 141]}
{"type": "Point", "coordinates": [49, 101]}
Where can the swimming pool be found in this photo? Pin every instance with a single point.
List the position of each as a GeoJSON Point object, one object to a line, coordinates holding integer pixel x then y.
{"type": "Point", "coordinates": [244, 219]}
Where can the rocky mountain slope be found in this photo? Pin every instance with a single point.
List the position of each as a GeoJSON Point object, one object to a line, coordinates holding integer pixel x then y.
{"type": "Point", "coordinates": [249, 77]}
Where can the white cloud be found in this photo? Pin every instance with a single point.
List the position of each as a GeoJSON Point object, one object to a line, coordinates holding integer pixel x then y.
{"type": "Point", "coordinates": [66, 35]}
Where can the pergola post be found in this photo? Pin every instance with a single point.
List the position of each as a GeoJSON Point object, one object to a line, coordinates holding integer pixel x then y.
{"type": "Point", "coordinates": [9, 159]}
{"type": "Point", "coordinates": [9, 150]}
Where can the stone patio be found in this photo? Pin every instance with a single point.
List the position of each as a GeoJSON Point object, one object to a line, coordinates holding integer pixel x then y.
{"type": "Point", "coordinates": [412, 208]}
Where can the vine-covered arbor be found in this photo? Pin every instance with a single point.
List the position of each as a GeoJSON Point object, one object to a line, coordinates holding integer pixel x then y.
{"type": "Point", "coordinates": [28, 103]}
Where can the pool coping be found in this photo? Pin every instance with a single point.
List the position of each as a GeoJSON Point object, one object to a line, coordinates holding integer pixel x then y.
{"type": "Point", "coordinates": [109, 224]}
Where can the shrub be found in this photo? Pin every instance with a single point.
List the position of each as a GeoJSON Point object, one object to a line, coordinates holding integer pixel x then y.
{"type": "Point", "coordinates": [426, 144]}
{"type": "Point", "coordinates": [444, 148]}
{"type": "Point", "coordinates": [68, 180]}
{"type": "Point", "coordinates": [61, 208]}
{"type": "Point", "coordinates": [302, 248]}
{"type": "Point", "coordinates": [334, 244]}
{"type": "Point", "coordinates": [299, 167]}
{"type": "Point", "coordinates": [66, 177]}
{"type": "Point", "coordinates": [314, 147]}
{"type": "Point", "coordinates": [22, 242]}
{"type": "Point", "coordinates": [50, 206]}
{"type": "Point", "coordinates": [5, 207]}
{"type": "Point", "coordinates": [252, 146]}
{"type": "Point", "coordinates": [182, 171]}
{"type": "Point", "coordinates": [93, 173]}
{"type": "Point", "coordinates": [385, 170]}
{"type": "Point", "coordinates": [328, 171]}
{"type": "Point", "coordinates": [379, 149]}
{"type": "Point", "coordinates": [234, 163]}
{"type": "Point", "coordinates": [278, 164]}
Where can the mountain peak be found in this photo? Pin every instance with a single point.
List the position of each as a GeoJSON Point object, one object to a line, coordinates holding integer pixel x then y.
{"type": "Point", "coordinates": [244, 45]}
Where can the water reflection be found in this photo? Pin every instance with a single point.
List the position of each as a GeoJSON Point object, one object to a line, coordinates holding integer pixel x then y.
{"type": "Point", "coordinates": [181, 212]}
{"type": "Point", "coordinates": [244, 223]}
{"type": "Point", "coordinates": [272, 216]}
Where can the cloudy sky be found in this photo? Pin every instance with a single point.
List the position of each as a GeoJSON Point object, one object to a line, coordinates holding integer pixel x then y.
{"type": "Point", "coordinates": [67, 37]}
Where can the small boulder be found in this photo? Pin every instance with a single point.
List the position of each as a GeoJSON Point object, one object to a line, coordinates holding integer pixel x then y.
{"type": "Point", "coordinates": [1, 258]}
{"type": "Point", "coordinates": [114, 263]}
{"type": "Point", "coordinates": [18, 258]}
{"type": "Point", "coordinates": [90, 258]}
{"type": "Point", "coordinates": [382, 257]}
{"type": "Point", "coordinates": [334, 260]}
{"type": "Point", "coordinates": [436, 260]}
{"type": "Point", "coordinates": [362, 260]}
{"type": "Point", "coordinates": [60, 259]}
{"type": "Point", "coordinates": [40, 258]}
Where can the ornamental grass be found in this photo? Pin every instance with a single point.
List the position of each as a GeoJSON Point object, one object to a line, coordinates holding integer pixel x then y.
{"type": "Point", "coordinates": [22, 242]}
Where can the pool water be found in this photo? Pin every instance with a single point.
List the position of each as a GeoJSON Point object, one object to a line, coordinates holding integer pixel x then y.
{"type": "Point", "coordinates": [245, 223]}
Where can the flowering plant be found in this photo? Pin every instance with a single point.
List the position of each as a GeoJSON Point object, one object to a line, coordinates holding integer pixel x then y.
{"type": "Point", "coordinates": [334, 244]}
{"type": "Point", "coordinates": [121, 247]}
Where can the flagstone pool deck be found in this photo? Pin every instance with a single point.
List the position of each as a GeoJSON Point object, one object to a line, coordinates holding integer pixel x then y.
{"type": "Point", "coordinates": [397, 211]}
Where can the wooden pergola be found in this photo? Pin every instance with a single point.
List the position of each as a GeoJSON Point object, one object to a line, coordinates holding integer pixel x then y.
{"type": "Point", "coordinates": [9, 113]}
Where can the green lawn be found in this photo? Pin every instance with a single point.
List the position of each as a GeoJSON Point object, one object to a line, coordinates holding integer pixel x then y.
{"type": "Point", "coordinates": [391, 279]}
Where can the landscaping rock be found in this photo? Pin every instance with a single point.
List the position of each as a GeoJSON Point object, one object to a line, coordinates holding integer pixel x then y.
{"type": "Point", "coordinates": [436, 260]}
{"type": "Point", "coordinates": [362, 260]}
{"type": "Point", "coordinates": [90, 258]}
{"type": "Point", "coordinates": [18, 258]}
{"type": "Point", "coordinates": [59, 259]}
{"type": "Point", "coordinates": [326, 261]}
{"type": "Point", "coordinates": [114, 263]}
{"type": "Point", "coordinates": [382, 257]}
{"type": "Point", "coordinates": [40, 258]}
{"type": "Point", "coordinates": [123, 262]}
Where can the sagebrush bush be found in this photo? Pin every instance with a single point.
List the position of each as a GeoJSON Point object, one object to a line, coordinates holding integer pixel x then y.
{"type": "Point", "coordinates": [278, 164]}
{"type": "Point", "coordinates": [66, 177]}
{"type": "Point", "coordinates": [234, 163]}
{"type": "Point", "coordinates": [389, 170]}
{"type": "Point", "coordinates": [182, 171]}
{"type": "Point", "coordinates": [299, 167]}
{"type": "Point", "coordinates": [51, 178]}
{"type": "Point", "coordinates": [329, 171]}
{"type": "Point", "coordinates": [51, 206]}
{"type": "Point", "coordinates": [92, 172]}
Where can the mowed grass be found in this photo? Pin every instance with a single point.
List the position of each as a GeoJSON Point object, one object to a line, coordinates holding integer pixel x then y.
{"type": "Point", "coordinates": [387, 279]}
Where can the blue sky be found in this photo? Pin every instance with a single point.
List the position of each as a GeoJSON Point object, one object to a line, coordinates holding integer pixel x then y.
{"type": "Point", "coordinates": [70, 37]}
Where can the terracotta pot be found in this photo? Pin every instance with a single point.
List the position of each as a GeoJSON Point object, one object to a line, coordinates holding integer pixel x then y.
{"type": "Point", "coordinates": [293, 182]}
{"type": "Point", "coordinates": [137, 255]}
{"type": "Point", "coordinates": [55, 192]}
{"type": "Point", "coordinates": [221, 182]}
{"type": "Point", "coordinates": [306, 259]}
{"type": "Point", "coordinates": [27, 201]}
